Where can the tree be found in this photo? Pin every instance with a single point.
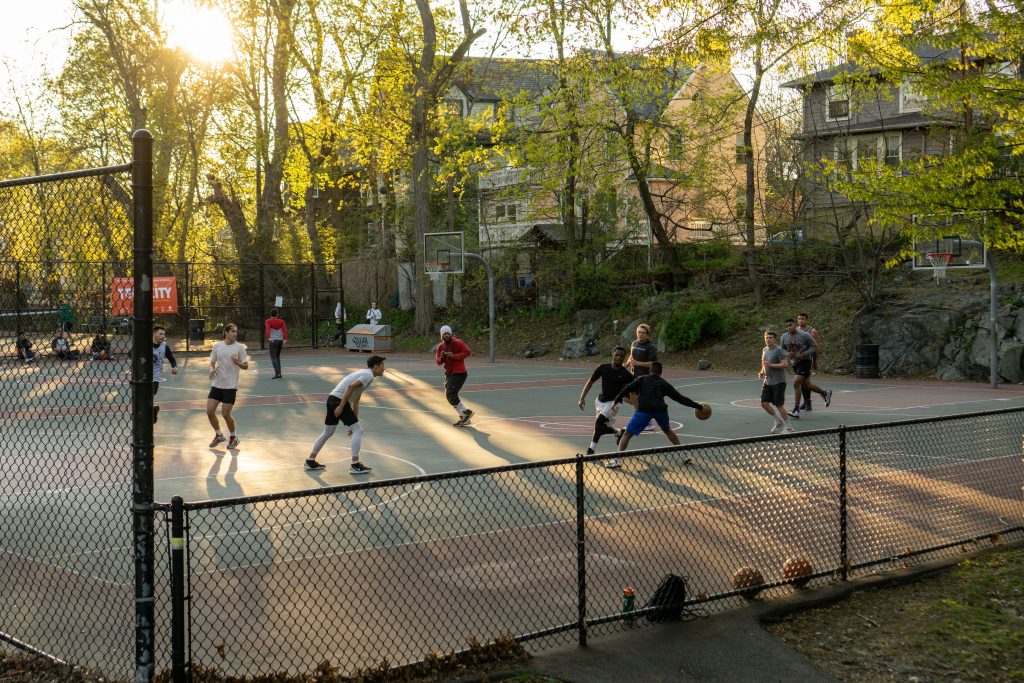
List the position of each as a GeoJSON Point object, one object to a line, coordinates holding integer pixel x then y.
{"type": "Point", "coordinates": [429, 80]}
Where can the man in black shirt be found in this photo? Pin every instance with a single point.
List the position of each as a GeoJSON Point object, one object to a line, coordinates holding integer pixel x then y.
{"type": "Point", "coordinates": [651, 391]}
{"type": "Point", "coordinates": [613, 377]}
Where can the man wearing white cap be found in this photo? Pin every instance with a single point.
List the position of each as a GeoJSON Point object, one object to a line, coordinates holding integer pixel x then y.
{"type": "Point", "coordinates": [452, 354]}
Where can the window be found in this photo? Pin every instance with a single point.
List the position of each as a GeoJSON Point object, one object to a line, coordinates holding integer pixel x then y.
{"type": "Point", "coordinates": [910, 98]}
{"type": "Point", "coordinates": [676, 145]}
{"type": "Point", "coordinates": [452, 107]}
{"type": "Point", "coordinates": [893, 149]}
{"type": "Point", "coordinates": [838, 102]}
{"type": "Point", "coordinates": [867, 149]}
{"type": "Point", "coordinates": [505, 212]}
{"type": "Point", "coordinates": [741, 150]}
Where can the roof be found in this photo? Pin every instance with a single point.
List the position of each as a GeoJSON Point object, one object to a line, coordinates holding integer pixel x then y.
{"type": "Point", "coordinates": [493, 79]}
{"type": "Point", "coordinates": [490, 79]}
{"type": "Point", "coordinates": [893, 123]}
{"type": "Point", "coordinates": [926, 54]}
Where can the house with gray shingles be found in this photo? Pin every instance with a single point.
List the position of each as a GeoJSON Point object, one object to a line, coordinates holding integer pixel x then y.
{"type": "Point", "coordinates": [850, 116]}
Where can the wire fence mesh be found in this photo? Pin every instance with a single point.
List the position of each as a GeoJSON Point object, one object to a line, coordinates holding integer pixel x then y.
{"type": "Point", "coordinates": [393, 571]}
{"type": "Point", "coordinates": [65, 422]}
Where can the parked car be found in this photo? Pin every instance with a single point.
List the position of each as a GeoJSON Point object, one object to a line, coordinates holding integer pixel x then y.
{"type": "Point", "coordinates": [786, 238]}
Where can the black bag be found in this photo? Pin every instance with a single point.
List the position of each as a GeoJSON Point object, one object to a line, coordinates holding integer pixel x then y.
{"type": "Point", "coordinates": [667, 603]}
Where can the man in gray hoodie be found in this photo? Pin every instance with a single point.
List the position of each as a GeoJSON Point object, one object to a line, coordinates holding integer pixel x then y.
{"type": "Point", "coordinates": [800, 347]}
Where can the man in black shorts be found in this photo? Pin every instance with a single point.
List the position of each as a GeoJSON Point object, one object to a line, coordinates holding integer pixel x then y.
{"type": "Point", "coordinates": [800, 348]}
{"type": "Point", "coordinates": [613, 377]}
{"type": "Point", "coordinates": [343, 406]}
{"type": "Point", "coordinates": [773, 391]}
{"type": "Point", "coordinates": [227, 359]}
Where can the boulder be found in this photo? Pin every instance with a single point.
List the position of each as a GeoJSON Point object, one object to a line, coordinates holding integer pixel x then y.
{"type": "Point", "coordinates": [1011, 353]}
{"type": "Point", "coordinates": [574, 348]}
{"type": "Point", "coordinates": [703, 364]}
{"type": "Point", "coordinates": [589, 322]}
{"type": "Point", "coordinates": [628, 333]}
{"type": "Point", "coordinates": [533, 351]}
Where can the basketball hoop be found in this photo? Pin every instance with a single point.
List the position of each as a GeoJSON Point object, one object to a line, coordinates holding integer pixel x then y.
{"type": "Point", "coordinates": [940, 261]}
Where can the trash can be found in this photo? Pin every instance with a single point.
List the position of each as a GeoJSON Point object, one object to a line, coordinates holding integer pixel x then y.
{"type": "Point", "coordinates": [197, 331]}
{"type": "Point", "coordinates": [866, 365]}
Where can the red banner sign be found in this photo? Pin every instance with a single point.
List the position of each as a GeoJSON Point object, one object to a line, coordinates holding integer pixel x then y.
{"type": "Point", "coordinates": [165, 295]}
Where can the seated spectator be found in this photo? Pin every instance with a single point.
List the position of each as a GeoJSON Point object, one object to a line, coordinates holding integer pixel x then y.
{"type": "Point", "coordinates": [24, 347]}
{"type": "Point", "coordinates": [100, 347]}
{"type": "Point", "coordinates": [61, 346]}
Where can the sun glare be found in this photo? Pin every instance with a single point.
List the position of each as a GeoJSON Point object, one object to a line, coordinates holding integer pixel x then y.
{"type": "Point", "coordinates": [203, 32]}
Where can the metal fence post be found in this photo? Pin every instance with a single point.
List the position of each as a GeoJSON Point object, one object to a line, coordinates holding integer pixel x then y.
{"type": "Point", "coordinates": [313, 302]}
{"type": "Point", "coordinates": [142, 402]}
{"type": "Point", "coordinates": [17, 298]}
{"type": "Point", "coordinates": [178, 672]}
{"type": "Point", "coordinates": [844, 560]}
{"type": "Point", "coordinates": [581, 555]}
{"type": "Point", "coordinates": [263, 311]}
{"type": "Point", "coordinates": [188, 308]}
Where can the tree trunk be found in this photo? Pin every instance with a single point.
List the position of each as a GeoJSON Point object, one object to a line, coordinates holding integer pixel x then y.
{"type": "Point", "coordinates": [749, 195]}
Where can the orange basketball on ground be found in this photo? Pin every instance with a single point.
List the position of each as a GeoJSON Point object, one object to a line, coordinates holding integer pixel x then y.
{"type": "Point", "coordinates": [797, 570]}
{"type": "Point", "coordinates": [750, 578]}
{"type": "Point", "coordinates": [704, 412]}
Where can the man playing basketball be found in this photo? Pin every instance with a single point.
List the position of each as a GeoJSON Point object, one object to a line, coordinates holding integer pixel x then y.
{"type": "Point", "coordinates": [651, 391]}
{"type": "Point", "coordinates": [804, 326]}
{"type": "Point", "coordinates": [799, 347]}
{"type": "Point", "coordinates": [343, 406]}
{"type": "Point", "coordinates": [161, 352]}
{"type": "Point", "coordinates": [452, 354]}
{"type": "Point", "coordinates": [773, 391]}
{"type": "Point", "coordinates": [613, 377]}
{"type": "Point", "coordinates": [227, 359]}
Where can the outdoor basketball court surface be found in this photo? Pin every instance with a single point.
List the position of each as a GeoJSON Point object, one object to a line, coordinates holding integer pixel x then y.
{"type": "Point", "coordinates": [525, 411]}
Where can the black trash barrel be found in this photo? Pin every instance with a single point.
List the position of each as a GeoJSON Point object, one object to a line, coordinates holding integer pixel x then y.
{"type": "Point", "coordinates": [867, 361]}
{"type": "Point", "coordinates": [197, 331]}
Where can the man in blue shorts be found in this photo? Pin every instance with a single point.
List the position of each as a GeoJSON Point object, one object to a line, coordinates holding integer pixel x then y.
{"type": "Point", "coordinates": [651, 391]}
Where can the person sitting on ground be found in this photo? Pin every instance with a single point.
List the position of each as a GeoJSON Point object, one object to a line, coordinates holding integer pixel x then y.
{"type": "Point", "coordinates": [61, 345]}
{"type": "Point", "coordinates": [100, 347]}
{"type": "Point", "coordinates": [24, 347]}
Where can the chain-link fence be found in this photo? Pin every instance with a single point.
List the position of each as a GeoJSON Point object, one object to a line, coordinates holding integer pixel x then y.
{"type": "Point", "coordinates": [392, 571]}
{"type": "Point", "coordinates": [66, 422]}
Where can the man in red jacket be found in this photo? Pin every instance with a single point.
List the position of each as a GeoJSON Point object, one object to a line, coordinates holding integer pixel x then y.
{"type": "Point", "coordinates": [452, 354]}
{"type": "Point", "coordinates": [277, 334]}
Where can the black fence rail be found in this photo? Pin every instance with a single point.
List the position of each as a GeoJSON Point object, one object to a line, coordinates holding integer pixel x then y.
{"type": "Point", "coordinates": [391, 571]}
{"type": "Point", "coordinates": [36, 297]}
{"type": "Point", "coordinates": [68, 444]}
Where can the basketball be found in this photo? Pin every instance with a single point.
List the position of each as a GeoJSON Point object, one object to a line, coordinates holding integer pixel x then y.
{"type": "Point", "coordinates": [704, 412]}
{"type": "Point", "coordinates": [797, 570]}
{"type": "Point", "coordinates": [749, 578]}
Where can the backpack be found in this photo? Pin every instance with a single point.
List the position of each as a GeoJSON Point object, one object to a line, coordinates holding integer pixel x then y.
{"type": "Point", "coordinates": [669, 598]}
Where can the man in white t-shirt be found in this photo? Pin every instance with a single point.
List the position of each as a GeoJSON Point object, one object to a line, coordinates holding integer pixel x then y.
{"type": "Point", "coordinates": [343, 406]}
{"type": "Point", "coordinates": [227, 360]}
{"type": "Point", "coordinates": [373, 314]}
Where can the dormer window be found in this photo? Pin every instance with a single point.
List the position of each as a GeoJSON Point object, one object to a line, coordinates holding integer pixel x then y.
{"type": "Point", "coordinates": [911, 99]}
{"type": "Point", "coordinates": [838, 102]}
{"type": "Point", "coordinates": [453, 107]}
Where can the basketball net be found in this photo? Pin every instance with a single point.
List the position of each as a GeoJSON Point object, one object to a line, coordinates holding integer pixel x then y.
{"type": "Point", "coordinates": [940, 263]}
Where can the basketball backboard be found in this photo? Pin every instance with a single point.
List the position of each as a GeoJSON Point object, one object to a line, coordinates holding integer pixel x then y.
{"type": "Point", "coordinates": [443, 252]}
{"type": "Point", "coordinates": [951, 237]}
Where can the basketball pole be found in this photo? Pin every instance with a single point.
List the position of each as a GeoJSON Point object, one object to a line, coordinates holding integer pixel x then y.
{"type": "Point", "coordinates": [993, 315]}
{"type": "Point", "coordinates": [490, 296]}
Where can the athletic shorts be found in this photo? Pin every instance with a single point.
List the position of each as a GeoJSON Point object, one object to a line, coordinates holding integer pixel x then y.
{"type": "Point", "coordinates": [640, 420]}
{"type": "Point", "coordinates": [607, 408]}
{"type": "Point", "coordinates": [774, 394]}
{"type": "Point", "coordinates": [223, 395]}
{"type": "Point", "coordinates": [453, 385]}
{"type": "Point", "coordinates": [802, 367]}
{"type": "Point", "coordinates": [348, 416]}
